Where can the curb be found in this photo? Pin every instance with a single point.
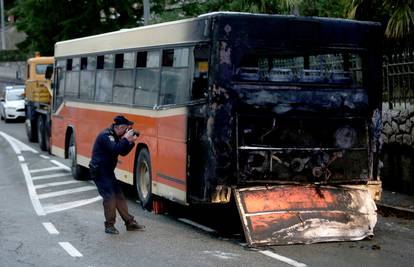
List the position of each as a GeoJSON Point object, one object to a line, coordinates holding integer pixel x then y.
{"type": "Point", "coordinates": [389, 210]}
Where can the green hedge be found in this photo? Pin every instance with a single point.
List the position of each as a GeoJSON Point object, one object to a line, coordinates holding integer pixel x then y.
{"type": "Point", "coordinates": [12, 55]}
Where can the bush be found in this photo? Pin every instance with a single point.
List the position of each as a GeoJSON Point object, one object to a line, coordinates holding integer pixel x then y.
{"type": "Point", "coordinates": [12, 55]}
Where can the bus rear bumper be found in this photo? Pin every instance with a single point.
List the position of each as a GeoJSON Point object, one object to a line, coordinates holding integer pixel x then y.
{"type": "Point", "coordinates": [289, 214]}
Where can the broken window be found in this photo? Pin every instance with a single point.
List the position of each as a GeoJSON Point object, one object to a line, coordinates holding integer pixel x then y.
{"type": "Point", "coordinates": [340, 69]}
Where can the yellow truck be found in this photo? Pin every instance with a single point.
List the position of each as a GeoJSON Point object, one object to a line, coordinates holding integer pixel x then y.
{"type": "Point", "coordinates": [38, 97]}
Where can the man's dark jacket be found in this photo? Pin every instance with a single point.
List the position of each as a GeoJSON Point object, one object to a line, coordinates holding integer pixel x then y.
{"type": "Point", "coordinates": [108, 146]}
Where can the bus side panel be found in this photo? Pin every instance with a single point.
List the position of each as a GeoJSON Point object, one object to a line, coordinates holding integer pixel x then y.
{"type": "Point", "coordinates": [172, 153]}
{"type": "Point", "coordinates": [58, 136]}
{"type": "Point", "coordinates": [88, 122]}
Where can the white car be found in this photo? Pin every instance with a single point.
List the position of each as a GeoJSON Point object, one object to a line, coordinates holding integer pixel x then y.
{"type": "Point", "coordinates": [12, 104]}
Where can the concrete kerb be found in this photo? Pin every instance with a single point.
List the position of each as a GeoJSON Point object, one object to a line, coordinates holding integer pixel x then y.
{"type": "Point", "coordinates": [400, 212]}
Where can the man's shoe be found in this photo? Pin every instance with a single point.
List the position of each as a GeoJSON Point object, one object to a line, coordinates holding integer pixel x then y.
{"type": "Point", "coordinates": [111, 230]}
{"type": "Point", "coordinates": [134, 226]}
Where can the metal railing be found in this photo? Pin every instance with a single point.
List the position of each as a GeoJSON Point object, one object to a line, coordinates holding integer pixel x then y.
{"type": "Point", "coordinates": [398, 80]}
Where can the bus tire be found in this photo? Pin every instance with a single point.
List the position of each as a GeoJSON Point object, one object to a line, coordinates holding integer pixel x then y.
{"type": "Point", "coordinates": [76, 170]}
{"type": "Point", "coordinates": [144, 179]}
{"type": "Point", "coordinates": [31, 130]}
{"type": "Point", "coordinates": [41, 133]}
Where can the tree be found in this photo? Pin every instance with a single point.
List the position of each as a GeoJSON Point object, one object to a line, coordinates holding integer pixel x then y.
{"type": "Point", "coordinates": [46, 21]}
{"type": "Point", "coordinates": [323, 8]}
{"type": "Point", "coordinates": [399, 15]}
{"type": "Point", "coordinates": [190, 8]}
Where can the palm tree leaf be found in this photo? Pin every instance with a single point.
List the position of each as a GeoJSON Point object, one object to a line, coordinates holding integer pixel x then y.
{"type": "Point", "coordinates": [401, 23]}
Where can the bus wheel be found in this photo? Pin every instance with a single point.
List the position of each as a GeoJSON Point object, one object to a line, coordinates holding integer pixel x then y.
{"type": "Point", "coordinates": [31, 130]}
{"type": "Point", "coordinates": [41, 133]}
{"type": "Point", "coordinates": [144, 178]}
{"type": "Point", "coordinates": [77, 170]}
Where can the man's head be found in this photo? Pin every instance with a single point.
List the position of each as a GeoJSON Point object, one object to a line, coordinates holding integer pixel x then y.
{"type": "Point", "coordinates": [121, 125]}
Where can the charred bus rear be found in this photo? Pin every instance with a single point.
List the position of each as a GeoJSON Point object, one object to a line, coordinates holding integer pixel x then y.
{"type": "Point", "coordinates": [292, 126]}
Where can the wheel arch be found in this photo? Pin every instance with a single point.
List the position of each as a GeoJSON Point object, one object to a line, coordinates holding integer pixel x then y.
{"type": "Point", "coordinates": [140, 146]}
{"type": "Point", "coordinates": [69, 131]}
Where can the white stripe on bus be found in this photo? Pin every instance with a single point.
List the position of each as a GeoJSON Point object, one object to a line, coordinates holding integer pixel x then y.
{"type": "Point", "coordinates": [130, 111]}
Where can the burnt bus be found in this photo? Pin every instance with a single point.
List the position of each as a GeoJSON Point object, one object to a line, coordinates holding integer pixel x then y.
{"type": "Point", "coordinates": [291, 126]}
{"type": "Point", "coordinates": [279, 113]}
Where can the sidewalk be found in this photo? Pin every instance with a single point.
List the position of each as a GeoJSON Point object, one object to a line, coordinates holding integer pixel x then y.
{"type": "Point", "coordinates": [396, 204]}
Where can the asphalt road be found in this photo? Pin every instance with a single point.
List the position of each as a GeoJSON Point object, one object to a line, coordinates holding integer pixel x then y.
{"type": "Point", "coordinates": [48, 219]}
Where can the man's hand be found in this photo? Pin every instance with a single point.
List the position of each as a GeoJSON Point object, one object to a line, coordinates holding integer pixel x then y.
{"type": "Point", "coordinates": [130, 136]}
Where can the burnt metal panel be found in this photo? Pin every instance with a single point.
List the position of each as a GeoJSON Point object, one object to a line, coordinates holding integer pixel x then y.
{"type": "Point", "coordinates": [291, 214]}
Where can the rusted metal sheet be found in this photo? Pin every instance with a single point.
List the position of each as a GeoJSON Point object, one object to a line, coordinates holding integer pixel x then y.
{"type": "Point", "coordinates": [281, 215]}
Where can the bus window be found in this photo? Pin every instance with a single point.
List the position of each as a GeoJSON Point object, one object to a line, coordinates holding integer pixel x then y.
{"type": "Point", "coordinates": [91, 63]}
{"type": "Point", "coordinates": [87, 85]}
{"type": "Point", "coordinates": [174, 76]}
{"type": "Point", "coordinates": [84, 63]}
{"type": "Point", "coordinates": [108, 61]}
{"type": "Point", "coordinates": [200, 76]}
{"type": "Point", "coordinates": [147, 79]}
{"type": "Point", "coordinates": [99, 62]}
{"type": "Point", "coordinates": [76, 64]}
{"type": "Point", "coordinates": [72, 78]}
{"type": "Point", "coordinates": [328, 69]}
{"type": "Point", "coordinates": [72, 84]}
{"type": "Point", "coordinates": [129, 60]}
{"type": "Point", "coordinates": [103, 89]}
{"type": "Point", "coordinates": [69, 64]}
{"type": "Point", "coordinates": [124, 79]}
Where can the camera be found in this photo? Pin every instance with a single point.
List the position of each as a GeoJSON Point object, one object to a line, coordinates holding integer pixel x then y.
{"type": "Point", "coordinates": [136, 133]}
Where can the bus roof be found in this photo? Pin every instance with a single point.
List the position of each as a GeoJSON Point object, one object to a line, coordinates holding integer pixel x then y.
{"type": "Point", "coordinates": [169, 33]}
{"type": "Point", "coordinates": [190, 31]}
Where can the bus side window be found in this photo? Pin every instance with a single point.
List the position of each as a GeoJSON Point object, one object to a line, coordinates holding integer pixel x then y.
{"type": "Point", "coordinates": [59, 83]}
{"type": "Point", "coordinates": [72, 77]}
{"type": "Point", "coordinates": [174, 76]}
{"type": "Point", "coordinates": [200, 77]}
{"type": "Point", "coordinates": [147, 81]}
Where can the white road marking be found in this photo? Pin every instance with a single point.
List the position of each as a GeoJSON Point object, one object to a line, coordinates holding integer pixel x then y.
{"type": "Point", "coordinates": [70, 205]}
{"type": "Point", "coordinates": [282, 258]}
{"type": "Point", "coordinates": [56, 184]}
{"type": "Point", "coordinates": [50, 228]}
{"type": "Point", "coordinates": [202, 227]}
{"type": "Point", "coordinates": [32, 191]}
{"type": "Point", "coordinates": [222, 255]}
{"type": "Point", "coordinates": [66, 192]}
{"type": "Point", "coordinates": [61, 165]}
{"type": "Point", "coordinates": [40, 177]}
{"type": "Point", "coordinates": [71, 250]}
{"type": "Point", "coordinates": [45, 169]}
{"type": "Point", "coordinates": [17, 145]}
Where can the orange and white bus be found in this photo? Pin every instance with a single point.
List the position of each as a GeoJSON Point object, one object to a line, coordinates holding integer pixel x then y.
{"type": "Point", "coordinates": [279, 113]}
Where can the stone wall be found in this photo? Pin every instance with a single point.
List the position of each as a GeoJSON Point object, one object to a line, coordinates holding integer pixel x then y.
{"type": "Point", "coordinates": [397, 127]}
{"type": "Point", "coordinates": [397, 153]}
{"type": "Point", "coordinates": [12, 73]}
